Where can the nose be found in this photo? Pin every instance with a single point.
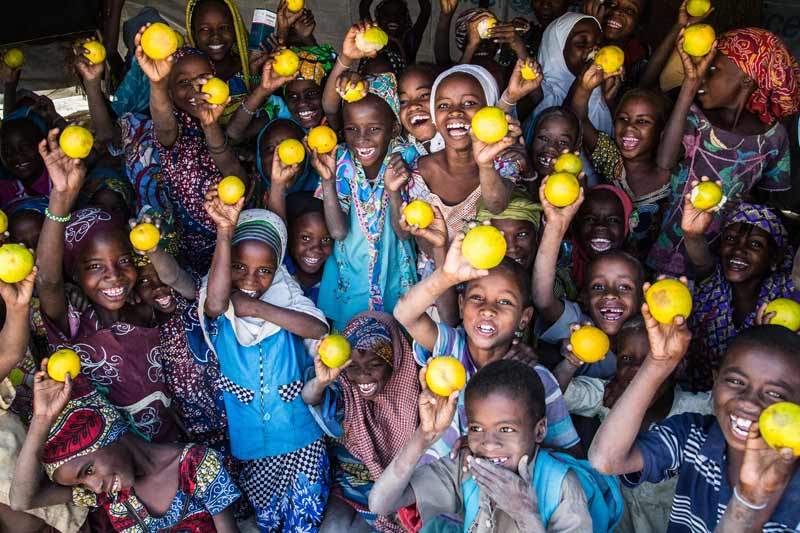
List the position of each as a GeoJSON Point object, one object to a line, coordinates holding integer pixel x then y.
{"type": "Point", "coordinates": [487, 310]}
{"type": "Point", "coordinates": [95, 484]}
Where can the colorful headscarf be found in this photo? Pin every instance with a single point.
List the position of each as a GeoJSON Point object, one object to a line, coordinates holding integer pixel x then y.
{"type": "Point", "coordinates": [766, 59]}
{"type": "Point", "coordinates": [520, 207]}
{"type": "Point", "coordinates": [87, 424]}
{"type": "Point", "coordinates": [376, 430]}
{"type": "Point", "coordinates": [262, 226]}
{"type": "Point", "coordinates": [712, 319]}
{"type": "Point", "coordinates": [185, 51]}
{"type": "Point", "coordinates": [84, 225]}
{"type": "Point", "coordinates": [240, 28]}
{"type": "Point", "coordinates": [316, 62]}
{"type": "Point", "coordinates": [384, 86]}
{"type": "Point", "coordinates": [104, 178]}
{"type": "Point", "coordinates": [30, 203]}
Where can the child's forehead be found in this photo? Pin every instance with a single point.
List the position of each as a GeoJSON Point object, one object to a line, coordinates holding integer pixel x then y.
{"type": "Point", "coordinates": [497, 405]}
{"type": "Point", "coordinates": [459, 83]}
{"type": "Point", "coordinates": [253, 249]}
{"type": "Point", "coordinates": [415, 79]}
{"type": "Point", "coordinates": [498, 280]}
{"type": "Point", "coordinates": [557, 124]}
{"type": "Point", "coordinates": [613, 267]}
{"type": "Point", "coordinates": [763, 362]}
{"type": "Point", "coordinates": [211, 9]}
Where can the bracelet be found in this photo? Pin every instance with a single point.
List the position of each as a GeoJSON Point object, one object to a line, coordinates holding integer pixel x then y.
{"type": "Point", "coordinates": [746, 503]}
{"type": "Point", "coordinates": [503, 99]}
{"type": "Point", "coordinates": [55, 218]}
{"type": "Point", "coordinates": [339, 60]}
{"type": "Point", "coordinates": [246, 110]}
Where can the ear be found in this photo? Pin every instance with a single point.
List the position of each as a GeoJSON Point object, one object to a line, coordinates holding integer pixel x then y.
{"type": "Point", "coordinates": [527, 315]}
{"type": "Point", "coordinates": [540, 430]}
{"type": "Point", "coordinates": [460, 302]}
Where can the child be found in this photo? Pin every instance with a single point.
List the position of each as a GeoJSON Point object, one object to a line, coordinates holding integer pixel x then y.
{"type": "Point", "coordinates": [310, 243]}
{"type": "Point", "coordinates": [253, 311]}
{"type": "Point", "coordinates": [276, 131]}
{"type": "Point", "coordinates": [116, 340]}
{"type": "Point", "coordinates": [92, 458]}
{"type": "Point", "coordinates": [496, 308]}
{"type": "Point", "coordinates": [631, 160]}
{"type": "Point", "coordinates": [27, 175]}
{"type": "Point", "coordinates": [734, 134]}
{"type": "Point", "coordinates": [511, 485]}
{"type": "Point", "coordinates": [520, 223]}
{"type": "Point", "coordinates": [106, 189]}
{"type": "Point", "coordinates": [414, 88]}
{"type": "Point", "coordinates": [557, 129]}
{"type": "Point", "coordinates": [194, 150]}
{"type": "Point", "coordinates": [754, 268]}
{"type": "Point", "coordinates": [729, 479]}
{"type": "Point", "coordinates": [545, 13]}
{"type": "Point", "coordinates": [364, 183]}
{"type": "Point", "coordinates": [619, 21]}
{"type": "Point", "coordinates": [25, 219]}
{"type": "Point", "coordinates": [374, 398]}
{"type": "Point", "coordinates": [610, 288]}
{"type": "Point", "coordinates": [394, 18]}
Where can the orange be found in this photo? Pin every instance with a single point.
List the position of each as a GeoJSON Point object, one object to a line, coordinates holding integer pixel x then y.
{"type": "Point", "coordinates": [667, 299]}
{"type": "Point", "coordinates": [14, 58]}
{"type": "Point", "coordinates": [706, 195]}
{"type": "Point", "coordinates": [334, 351]}
{"type": "Point", "coordinates": [569, 163]}
{"type": "Point", "coordinates": [779, 424]}
{"type": "Point", "coordinates": [76, 141]}
{"type": "Point", "coordinates": [230, 189]}
{"type": "Point", "coordinates": [371, 40]}
{"type": "Point", "coordinates": [322, 138]}
{"type": "Point", "coordinates": [611, 58]}
{"type": "Point", "coordinates": [217, 91]}
{"type": "Point", "coordinates": [698, 8]}
{"type": "Point", "coordinates": [145, 236]}
{"type": "Point", "coordinates": [3, 222]}
{"type": "Point", "coordinates": [787, 313]}
{"type": "Point", "coordinates": [286, 63]}
{"type": "Point", "coordinates": [419, 212]}
{"type": "Point", "coordinates": [698, 39]}
{"type": "Point", "coordinates": [159, 41]}
{"type": "Point", "coordinates": [490, 124]}
{"type": "Point", "coordinates": [353, 92]}
{"type": "Point", "coordinates": [562, 189]}
{"type": "Point", "coordinates": [294, 5]}
{"type": "Point", "coordinates": [589, 344]}
{"type": "Point", "coordinates": [484, 26]}
{"type": "Point", "coordinates": [291, 151]}
{"type": "Point", "coordinates": [16, 262]}
{"type": "Point", "coordinates": [96, 52]}
{"type": "Point", "coordinates": [484, 247]}
{"type": "Point", "coordinates": [527, 71]}
{"type": "Point", "coordinates": [63, 362]}
{"type": "Point", "coordinates": [444, 375]}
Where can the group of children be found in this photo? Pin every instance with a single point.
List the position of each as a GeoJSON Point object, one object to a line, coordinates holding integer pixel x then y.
{"type": "Point", "coordinates": [212, 336]}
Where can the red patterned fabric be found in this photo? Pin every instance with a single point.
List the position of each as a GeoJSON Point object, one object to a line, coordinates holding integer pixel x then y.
{"type": "Point", "coordinates": [766, 59]}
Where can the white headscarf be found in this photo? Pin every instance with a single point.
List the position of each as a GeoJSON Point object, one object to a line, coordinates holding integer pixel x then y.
{"type": "Point", "coordinates": [556, 77]}
{"type": "Point", "coordinates": [490, 91]}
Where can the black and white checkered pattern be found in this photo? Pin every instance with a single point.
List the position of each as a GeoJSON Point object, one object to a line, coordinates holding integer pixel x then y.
{"type": "Point", "coordinates": [242, 394]}
{"type": "Point", "coordinates": [264, 478]}
{"type": "Point", "coordinates": [289, 391]}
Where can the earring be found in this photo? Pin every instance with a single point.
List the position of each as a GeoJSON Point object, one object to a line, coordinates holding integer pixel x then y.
{"type": "Point", "coordinates": [519, 333]}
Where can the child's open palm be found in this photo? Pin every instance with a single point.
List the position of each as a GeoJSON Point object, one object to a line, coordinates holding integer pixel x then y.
{"type": "Point", "coordinates": [224, 215]}
{"type": "Point", "coordinates": [668, 342]}
{"type": "Point", "coordinates": [49, 396]}
{"type": "Point", "coordinates": [324, 164]}
{"type": "Point", "coordinates": [435, 412]}
{"type": "Point", "coordinates": [66, 173]}
{"type": "Point", "coordinates": [456, 266]}
{"type": "Point", "coordinates": [156, 70]}
{"type": "Point", "coordinates": [695, 222]}
{"type": "Point", "coordinates": [512, 492]}
{"type": "Point", "coordinates": [764, 471]}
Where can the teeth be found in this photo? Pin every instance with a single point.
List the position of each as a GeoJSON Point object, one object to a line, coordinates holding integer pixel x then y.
{"type": "Point", "coordinates": [740, 426]}
{"type": "Point", "coordinates": [114, 293]}
{"type": "Point", "coordinates": [486, 329]}
{"type": "Point", "coordinates": [629, 143]}
{"type": "Point", "coordinates": [164, 301]}
{"type": "Point", "coordinates": [312, 261]}
{"type": "Point", "coordinates": [367, 388]}
{"type": "Point", "coordinates": [738, 263]}
{"type": "Point", "coordinates": [600, 245]}
{"type": "Point", "coordinates": [416, 120]}
{"type": "Point", "coordinates": [545, 161]}
{"type": "Point", "coordinates": [614, 24]}
{"type": "Point", "coordinates": [251, 294]}
{"type": "Point", "coordinates": [216, 47]}
{"type": "Point", "coordinates": [496, 460]}
{"type": "Point", "coordinates": [365, 152]}
{"type": "Point", "coordinates": [457, 129]}
{"type": "Point", "coordinates": [611, 314]}
{"type": "Point", "coordinates": [306, 114]}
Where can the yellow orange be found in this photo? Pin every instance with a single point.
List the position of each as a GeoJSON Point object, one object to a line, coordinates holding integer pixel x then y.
{"type": "Point", "coordinates": [63, 362]}
{"type": "Point", "coordinates": [76, 141]}
{"type": "Point", "coordinates": [16, 262]}
{"type": "Point", "coordinates": [787, 313]}
{"type": "Point", "coordinates": [419, 212]}
{"type": "Point", "coordinates": [217, 91]}
{"type": "Point", "coordinates": [96, 52]}
{"type": "Point", "coordinates": [371, 40]}
{"type": "Point", "coordinates": [334, 351]}
{"type": "Point", "coordinates": [667, 299]}
{"type": "Point", "coordinates": [14, 58]}
{"type": "Point", "coordinates": [611, 58]}
{"type": "Point", "coordinates": [484, 247]}
{"type": "Point", "coordinates": [354, 92]}
{"type": "Point", "coordinates": [3, 222]}
{"type": "Point", "coordinates": [706, 195]}
{"type": "Point", "coordinates": [291, 151]}
{"type": "Point", "coordinates": [568, 162]}
{"type": "Point", "coordinates": [562, 189]}
{"type": "Point", "coordinates": [230, 189]}
{"type": "Point", "coordinates": [159, 41]}
{"type": "Point", "coordinates": [444, 375]}
{"type": "Point", "coordinates": [527, 71]}
{"type": "Point", "coordinates": [484, 26]}
{"type": "Point", "coordinates": [489, 124]}
{"type": "Point", "coordinates": [145, 236]}
{"type": "Point", "coordinates": [779, 424]}
{"type": "Point", "coordinates": [286, 63]}
{"type": "Point", "coordinates": [322, 138]}
{"type": "Point", "coordinates": [698, 8]}
{"type": "Point", "coordinates": [589, 344]}
{"type": "Point", "coordinates": [698, 39]}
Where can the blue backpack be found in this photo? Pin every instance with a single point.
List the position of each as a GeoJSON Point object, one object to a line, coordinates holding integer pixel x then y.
{"type": "Point", "coordinates": [602, 492]}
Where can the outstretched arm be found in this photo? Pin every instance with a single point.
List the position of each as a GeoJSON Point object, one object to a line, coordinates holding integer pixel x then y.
{"type": "Point", "coordinates": [219, 276]}
{"type": "Point", "coordinates": [694, 223]}
{"type": "Point", "coordinates": [335, 217]}
{"type": "Point", "coordinates": [106, 130]}
{"type": "Point", "coordinates": [15, 333]}
{"type": "Point", "coordinates": [441, 39]}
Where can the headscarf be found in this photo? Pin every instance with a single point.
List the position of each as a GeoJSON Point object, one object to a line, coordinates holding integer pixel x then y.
{"type": "Point", "coordinates": [169, 235]}
{"type": "Point", "coordinates": [262, 226]}
{"type": "Point", "coordinates": [557, 78]}
{"type": "Point", "coordinates": [240, 28]}
{"type": "Point", "coordinates": [520, 207]}
{"type": "Point", "coordinates": [487, 82]}
{"type": "Point", "coordinates": [87, 424]}
{"type": "Point", "coordinates": [308, 178]}
{"type": "Point", "coordinates": [768, 62]}
{"type": "Point", "coordinates": [84, 225]}
{"type": "Point", "coordinates": [185, 51]}
{"type": "Point", "coordinates": [712, 319]}
{"type": "Point", "coordinates": [100, 179]}
{"type": "Point", "coordinates": [30, 203]}
{"type": "Point", "coordinates": [316, 62]}
{"type": "Point", "coordinates": [384, 86]}
{"type": "Point", "coordinates": [580, 257]}
{"type": "Point", "coordinates": [376, 430]}
{"type": "Point", "coordinates": [462, 25]}
{"type": "Point", "coordinates": [27, 112]}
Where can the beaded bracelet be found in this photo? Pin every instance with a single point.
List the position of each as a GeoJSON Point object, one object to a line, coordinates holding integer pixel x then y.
{"type": "Point", "coordinates": [55, 218]}
{"type": "Point", "coordinates": [246, 110]}
{"type": "Point", "coordinates": [746, 503]}
{"type": "Point", "coordinates": [339, 60]}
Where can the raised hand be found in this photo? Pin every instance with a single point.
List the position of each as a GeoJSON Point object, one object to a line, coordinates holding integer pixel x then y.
{"type": "Point", "coordinates": [305, 25]}
{"type": "Point", "coordinates": [156, 70]}
{"type": "Point", "coordinates": [348, 80]}
{"type": "Point", "coordinates": [49, 396]}
{"type": "Point", "coordinates": [87, 70]}
{"type": "Point", "coordinates": [286, 19]}
{"type": "Point", "coordinates": [595, 8]}
{"type": "Point", "coordinates": [397, 173]}
{"type": "Point", "coordinates": [519, 87]}
{"type": "Point", "coordinates": [324, 164]}
{"type": "Point", "coordinates": [684, 19]}
{"type": "Point", "coordinates": [485, 154]}
{"type": "Point", "coordinates": [325, 374]}
{"type": "Point", "coordinates": [559, 215]}
{"type": "Point", "coordinates": [513, 492]}
{"type": "Point", "coordinates": [271, 81]}
{"type": "Point", "coordinates": [765, 472]}
{"type": "Point", "coordinates": [694, 73]}
{"type": "Point", "coordinates": [519, 351]}
{"type": "Point", "coordinates": [456, 267]}
{"type": "Point", "coordinates": [225, 216]}
{"type": "Point", "coordinates": [435, 233]}
{"type": "Point", "coordinates": [147, 219]}
{"type": "Point", "coordinates": [66, 173]}
{"type": "Point", "coordinates": [435, 412]}
{"type": "Point", "coordinates": [473, 37]}
{"type": "Point", "coordinates": [207, 113]}
{"type": "Point", "coordinates": [349, 49]}
{"type": "Point", "coordinates": [506, 33]}
{"type": "Point", "coordinates": [282, 174]}
{"type": "Point", "coordinates": [612, 83]}
{"type": "Point", "coordinates": [668, 342]}
{"type": "Point", "coordinates": [695, 222]}
{"type": "Point", "coordinates": [8, 74]}
{"type": "Point", "coordinates": [18, 295]}
{"type": "Point", "coordinates": [762, 317]}
{"type": "Point", "coordinates": [448, 7]}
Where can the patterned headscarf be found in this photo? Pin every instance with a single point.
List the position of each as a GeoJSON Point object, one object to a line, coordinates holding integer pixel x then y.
{"type": "Point", "coordinates": [376, 430]}
{"type": "Point", "coordinates": [520, 207]}
{"type": "Point", "coordinates": [263, 226]}
{"type": "Point", "coordinates": [384, 86]}
{"type": "Point", "coordinates": [712, 319]}
{"type": "Point", "coordinates": [239, 47]}
{"type": "Point", "coordinates": [316, 62]}
{"type": "Point", "coordinates": [84, 225]}
{"type": "Point", "coordinates": [104, 178]}
{"type": "Point", "coordinates": [87, 424]}
{"type": "Point", "coordinates": [30, 203]}
{"type": "Point", "coordinates": [169, 235]}
{"type": "Point", "coordinates": [186, 51]}
{"type": "Point", "coordinates": [766, 59]}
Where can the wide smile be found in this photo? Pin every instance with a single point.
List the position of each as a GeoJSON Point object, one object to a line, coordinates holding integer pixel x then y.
{"type": "Point", "coordinates": [740, 427]}
{"type": "Point", "coordinates": [457, 129]}
{"type": "Point", "coordinates": [600, 244]}
{"type": "Point", "coordinates": [497, 461]}
{"type": "Point", "coordinates": [613, 24]}
{"type": "Point", "coordinates": [365, 153]}
{"type": "Point", "coordinates": [115, 294]}
{"type": "Point", "coordinates": [216, 47]}
{"type": "Point", "coordinates": [630, 143]}
{"type": "Point", "coordinates": [737, 265]}
{"type": "Point", "coordinates": [164, 301]}
{"type": "Point", "coordinates": [611, 313]}
{"type": "Point", "coordinates": [418, 119]}
{"type": "Point", "coordinates": [307, 115]}
{"type": "Point", "coordinates": [311, 261]}
{"type": "Point", "coordinates": [251, 294]}
{"type": "Point", "coordinates": [545, 161]}
{"type": "Point", "coordinates": [367, 389]}
{"type": "Point", "coordinates": [485, 329]}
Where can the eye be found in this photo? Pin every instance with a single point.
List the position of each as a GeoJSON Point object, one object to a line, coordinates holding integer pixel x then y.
{"type": "Point", "coordinates": [598, 287]}
{"type": "Point", "coordinates": [326, 239]}
{"type": "Point", "coordinates": [443, 105]}
{"type": "Point", "coordinates": [350, 129]}
{"type": "Point", "coordinates": [522, 234]}
{"type": "Point", "coordinates": [505, 302]}
{"type": "Point", "coordinates": [470, 103]}
{"type": "Point", "coordinates": [626, 359]}
{"type": "Point", "coordinates": [614, 220]}
{"type": "Point", "coordinates": [625, 288]}
{"type": "Point", "coordinates": [506, 429]}
{"type": "Point", "coordinates": [565, 144]}
{"type": "Point", "coordinates": [756, 244]}
{"type": "Point", "coordinates": [305, 238]}
{"type": "Point", "coordinates": [264, 271]}
{"type": "Point", "coordinates": [403, 102]}
{"type": "Point", "coordinates": [425, 96]}
{"type": "Point", "coordinates": [476, 298]}
{"type": "Point", "coordinates": [729, 238]}
{"type": "Point", "coordinates": [642, 122]}
{"type": "Point", "coordinates": [237, 266]}
{"type": "Point", "coordinates": [543, 138]}
{"type": "Point", "coordinates": [144, 281]}
{"type": "Point", "coordinates": [125, 261]}
{"type": "Point", "coordinates": [375, 129]}
{"type": "Point", "coordinates": [734, 382]}
{"type": "Point", "coordinates": [777, 395]}
{"type": "Point", "coordinates": [94, 266]}
{"type": "Point", "coordinates": [475, 429]}
{"type": "Point", "coordinates": [89, 470]}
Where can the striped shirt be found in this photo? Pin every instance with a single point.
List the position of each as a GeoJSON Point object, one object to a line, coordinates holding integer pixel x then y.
{"type": "Point", "coordinates": [693, 447]}
{"type": "Point", "coordinates": [453, 341]}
